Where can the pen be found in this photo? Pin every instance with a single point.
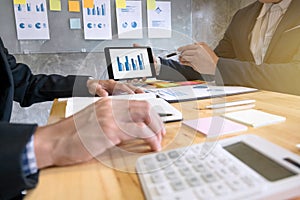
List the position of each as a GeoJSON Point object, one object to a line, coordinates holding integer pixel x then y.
{"type": "Point", "coordinates": [171, 54]}
{"type": "Point", "coordinates": [200, 86]}
{"type": "Point", "coordinates": [165, 114]}
{"type": "Point", "coordinates": [228, 104]}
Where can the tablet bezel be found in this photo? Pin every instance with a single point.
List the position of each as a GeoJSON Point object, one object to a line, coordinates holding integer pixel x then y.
{"type": "Point", "coordinates": [110, 67]}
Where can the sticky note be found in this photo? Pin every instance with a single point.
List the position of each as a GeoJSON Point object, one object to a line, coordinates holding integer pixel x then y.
{"type": "Point", "coordinates": [88, 3]}
{"type": "Point", "coordinates": [19, 1]}
{"type": "Point", "coordinates": [74, 6]}
{"type": "Point", "coordinates": [75, 23]}
{"type": "Point", "coordinates": [151, 4]}
{"type": "Point", "coordinates": [165, 84]}
{"type": "Point", "coordinates": [215, 126]}
{"type": "Point", "coordinates": [121, 3]}
{"type": "Point", "coordinates": [55, 5]}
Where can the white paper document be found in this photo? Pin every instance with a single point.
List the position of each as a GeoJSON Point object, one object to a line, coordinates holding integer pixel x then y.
{"type": "Point", "coordinates": [255, 118]}
{"type": "Point", "coordinates": [185, 93]}
{"type": "Point", "coordinates": [97, 21]}
{"type": "Point", "coordinates": [32, 20]}
{"type": "Point", "coordinates": [167, 112]}
{"type": "Point", "coordinates": [159, 20]}
{"type": "Point", "coordinates": [129, 20]}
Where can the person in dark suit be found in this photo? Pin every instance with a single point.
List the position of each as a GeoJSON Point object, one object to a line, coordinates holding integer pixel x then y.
{"type": "Point", "coordinates": [26, 148]}
{"type": "Point", "coordinates": [246, 56]}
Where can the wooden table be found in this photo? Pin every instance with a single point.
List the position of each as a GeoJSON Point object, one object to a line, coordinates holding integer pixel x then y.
{"type": "Point", "coordinates": [94, 180]}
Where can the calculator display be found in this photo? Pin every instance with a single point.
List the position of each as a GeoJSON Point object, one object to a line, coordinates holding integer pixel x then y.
{"type": "Point", "coordinates": [262, 164]}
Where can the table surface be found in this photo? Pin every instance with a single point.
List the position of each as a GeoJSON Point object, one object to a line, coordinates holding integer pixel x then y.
{"type": "Point", "coordinates": [101, 179]}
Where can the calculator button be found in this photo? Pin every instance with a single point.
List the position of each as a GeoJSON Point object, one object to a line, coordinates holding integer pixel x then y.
{"type": "Point", "coordinates": [193, 181]}
{"type": "Point", "coordinates": [249, 181]}
{"type": "Point", "coordinates": [164, 164]}
{"type": "Point", "coordinates": [157, 177]}
{"type": "Point", "coordinates": [177, 185]}
{"type": "Point", "coordinates": [236, 184]}
{"type": "Point", "coordinates": [220, 188]}
{"type": "Point", "coordinates": [199, 167]}
{"type": "Point", "coordinates": [192, 158]}
{"type": "Point", "coordinates": [163, 189]}
{"type": "Point", "coordinates": [180, 162]}
{"type": "Point", "coordinates": [181, 196]}
{"type": "Point", "coordinates": [173, 154]}
{"type": "Point", "coordinates": [224, 173]}
{"type": "Point", "coordinates": [161, 157]}
{"type": "Point", "coordinates": [204, 193]}
{"type": "Point", "coordinates": [186, 171]}
{"type": "Point", "coordinates": [209, 177]}
{"type": "Point", "coordinates": [171, 174]}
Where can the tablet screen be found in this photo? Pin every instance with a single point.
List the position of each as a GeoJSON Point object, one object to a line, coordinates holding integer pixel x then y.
{"type": "Point", "coordinates": [129, 62]}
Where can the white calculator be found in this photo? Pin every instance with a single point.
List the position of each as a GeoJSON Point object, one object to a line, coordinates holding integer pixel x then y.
{"type": "Point", "coordinates": [241, 167]}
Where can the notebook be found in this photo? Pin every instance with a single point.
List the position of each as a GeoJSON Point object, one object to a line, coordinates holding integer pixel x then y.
{"type": "Point", "coordinates": [166, 111]}
{"type": "Point", "coordinates": [255, 118]}
{"type": "Point", "coordinates": [213, 126]}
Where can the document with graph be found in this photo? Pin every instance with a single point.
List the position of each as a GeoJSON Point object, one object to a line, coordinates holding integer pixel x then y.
{"type": "Point", "coordinates": [202, 91]}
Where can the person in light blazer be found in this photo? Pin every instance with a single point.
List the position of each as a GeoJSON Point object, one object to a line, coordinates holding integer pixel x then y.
{"type": "Point", "coordinates": [27, 148]}
{"type": "Point", "coordinates": [233, 63]}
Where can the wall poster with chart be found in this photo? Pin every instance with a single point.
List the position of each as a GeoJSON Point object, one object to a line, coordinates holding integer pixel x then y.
{"type": "Point", "coordinates": [32, 20]}
{"type": "Point", "coordinates": [97, 21]}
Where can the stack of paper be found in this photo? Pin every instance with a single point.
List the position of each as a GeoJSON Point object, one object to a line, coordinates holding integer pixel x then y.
{"type": "Point", "coordinates": [255, 118]}
{"type": "Point", "coordinates": [167, 112]}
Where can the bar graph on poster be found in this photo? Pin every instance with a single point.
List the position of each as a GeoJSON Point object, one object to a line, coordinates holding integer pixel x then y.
{"type": "Point", "coordinates": [32, 20]}
{"type": "Point", "coordinates": [97, 21]}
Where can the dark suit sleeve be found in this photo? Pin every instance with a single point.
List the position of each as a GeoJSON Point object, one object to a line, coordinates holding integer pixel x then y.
{"type": "Point", "coordinates": [173, 71]}
{"type": "Point", "coordinates": [13, 139]}
{"type": "Point", "coordinates": [31, 88]}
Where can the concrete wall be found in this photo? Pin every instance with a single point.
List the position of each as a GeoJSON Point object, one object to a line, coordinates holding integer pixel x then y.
{"type": "Point", "coordinates": [209, 21]}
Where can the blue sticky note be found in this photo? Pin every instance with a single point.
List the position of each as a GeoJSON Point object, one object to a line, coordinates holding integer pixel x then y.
{"type": "Point", "coordinates": [75, 23]}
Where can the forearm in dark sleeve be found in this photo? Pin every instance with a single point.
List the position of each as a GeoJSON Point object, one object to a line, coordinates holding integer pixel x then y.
{"type": "Point", "coordinates": [173, 71]}
{"type": "Point", "coordinates": [13, 139]}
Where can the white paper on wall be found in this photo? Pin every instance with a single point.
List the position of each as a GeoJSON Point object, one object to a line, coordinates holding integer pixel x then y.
{"type": "Point", "coordinates": [129, 20]}
{"type": "Point", "coordinates": [32, 20]}
{"type": "Point", "coordinates": [159, 20]}
{"type": "Point", "coordinates": [97, 21]}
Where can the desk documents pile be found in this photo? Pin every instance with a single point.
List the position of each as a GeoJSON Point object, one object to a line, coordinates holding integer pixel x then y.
{"type": "Point", "coordinates": [166, 111]}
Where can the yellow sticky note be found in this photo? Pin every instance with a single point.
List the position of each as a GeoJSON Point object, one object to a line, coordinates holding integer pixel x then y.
{"type": "Point", "coordinates": [55, 5]}
{"type": "Point", "coordinates": [19, 1]}
{"type": "Point", "coordinates": [74, 6]}
{"type": "Point", "coordinates": [88, 3]}
{"type": "Point", "coordinates": [151, 4]}
{"type": "Point", "coordinates": [121, 3]}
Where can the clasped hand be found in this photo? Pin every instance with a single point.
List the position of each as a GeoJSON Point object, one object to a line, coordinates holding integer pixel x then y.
{"type": "Point", "coordinates": [200, 57]}
{"type": "Point", "coordinates": [104, 88]}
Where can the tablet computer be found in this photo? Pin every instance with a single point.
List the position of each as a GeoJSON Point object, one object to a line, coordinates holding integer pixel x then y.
{"type": "Point", "coordinates": [125, 63]}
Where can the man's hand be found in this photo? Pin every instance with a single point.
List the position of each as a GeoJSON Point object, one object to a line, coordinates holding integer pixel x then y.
{"type": "Point", "coordinates": [104, 88]}
{"type": "Point", "coordinates": [95, 129]}
{"type": "Point", "coordinates": [200, 57]}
